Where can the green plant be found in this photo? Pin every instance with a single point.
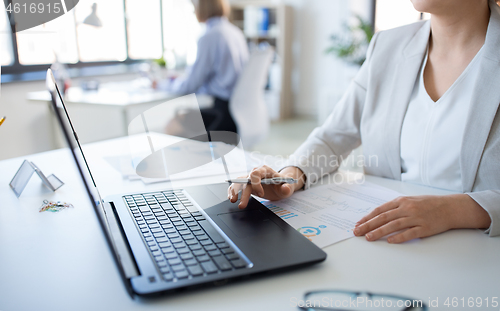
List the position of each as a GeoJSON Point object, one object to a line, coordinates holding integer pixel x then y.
{"type": "Point", "coordinates": [352, 45]}
{"type": "Point", "coordinates": [161, 62]}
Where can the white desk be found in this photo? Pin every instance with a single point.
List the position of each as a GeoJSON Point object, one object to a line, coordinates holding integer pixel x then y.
{"type": "Point", "coordinates": [60, 261]}
{"type": "Point", "coordinates": [107, 112]}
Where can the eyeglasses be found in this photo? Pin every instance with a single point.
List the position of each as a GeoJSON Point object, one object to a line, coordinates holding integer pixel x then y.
{"type": "Point", "coordinates": [338, 300]}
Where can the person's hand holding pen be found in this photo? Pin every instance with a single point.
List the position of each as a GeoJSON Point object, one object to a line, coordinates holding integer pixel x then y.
{"type": "Point", "coordinates": [269, 191]}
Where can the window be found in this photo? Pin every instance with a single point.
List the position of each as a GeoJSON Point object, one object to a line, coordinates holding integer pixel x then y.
{"type": "Point", "coordinates": [6, 54]}
{"type": "Point", "coordinates": [105, 43]}
{"type": "Point", "coordinates": [395, 13]}
{"type": "Point", "coordinates": [180, 32]}
{"type": "Point", "coordinates": [144, 29]}
{"type": "Point", "coordinates": [42, 44]}
{"type": "Point", "coordinates": [109, 31]}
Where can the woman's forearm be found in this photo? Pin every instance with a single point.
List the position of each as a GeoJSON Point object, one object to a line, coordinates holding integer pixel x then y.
{"type": "Point", "coordinates": [466, 213]}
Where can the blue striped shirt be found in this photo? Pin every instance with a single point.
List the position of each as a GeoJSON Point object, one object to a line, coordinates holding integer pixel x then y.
{"type": "Point", "coordinates": [222, 54]}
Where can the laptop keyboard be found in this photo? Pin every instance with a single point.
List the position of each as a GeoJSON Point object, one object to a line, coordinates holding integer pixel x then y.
{"type": "Point", "coordinates": [182, 242]}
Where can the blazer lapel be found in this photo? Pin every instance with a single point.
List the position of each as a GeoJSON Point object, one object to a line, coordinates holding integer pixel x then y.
{"type": "Point", "coordinates": [402, 88]}
{"type": "Point", "coordinates": [484, 105]}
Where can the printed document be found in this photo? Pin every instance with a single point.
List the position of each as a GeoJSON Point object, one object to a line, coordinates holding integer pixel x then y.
{"type": "Point", "coordinates": [327, 214]}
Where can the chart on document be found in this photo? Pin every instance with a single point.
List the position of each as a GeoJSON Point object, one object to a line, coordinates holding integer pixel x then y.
{"type": "Point", "coordinates": [327, 214]}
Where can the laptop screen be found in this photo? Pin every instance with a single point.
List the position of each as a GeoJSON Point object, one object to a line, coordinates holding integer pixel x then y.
{"type": "Point", "coordinates": [116, 245]}
{"type": "Point", "coordinates": [64, 120]}
{"type": "Point", "coordinates": [71, 137]}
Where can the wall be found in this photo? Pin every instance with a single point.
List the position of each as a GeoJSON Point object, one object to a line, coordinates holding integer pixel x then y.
{"type": "Point", "coordinates": [319, 79]}
{"type": "Point", "coordinates": [313, 71]}
{"type": "Point", "coordinates": [27, 129]}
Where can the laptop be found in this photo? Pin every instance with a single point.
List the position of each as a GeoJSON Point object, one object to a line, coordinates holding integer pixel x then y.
{"type": "Point", "coordinates": [165, 241]}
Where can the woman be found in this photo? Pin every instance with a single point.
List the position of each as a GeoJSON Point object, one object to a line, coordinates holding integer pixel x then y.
{"type": "Point", "coordinates": [222, 54]}
{"type": "Point", "coordinates": [426, 104]}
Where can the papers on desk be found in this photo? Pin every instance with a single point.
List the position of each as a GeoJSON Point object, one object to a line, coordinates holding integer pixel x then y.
{"type": "Point", "coordinates": [238, 163]}
{"type": "Point", "coordinates": [124, 165]}
{"type": "Point", "coordinates": [237, 160]}
{"type": "Point", "coordinates": [327, 214]}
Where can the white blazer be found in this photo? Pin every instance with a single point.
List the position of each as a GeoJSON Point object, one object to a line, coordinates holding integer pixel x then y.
{"type": "Point", "coordinates": [372, 111]}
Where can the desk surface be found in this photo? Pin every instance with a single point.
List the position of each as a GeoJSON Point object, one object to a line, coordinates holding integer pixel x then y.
{"type": "Point", "coordinates": [110, 93]}
{"type": "Point", "coordinates": [60, 261]}
{"type": "Point", "coordinates": [120, 94]}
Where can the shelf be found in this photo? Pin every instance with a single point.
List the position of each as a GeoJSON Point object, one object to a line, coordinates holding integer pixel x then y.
{"type": "Point", "coordinates": [262, 4]}
{"type": "Point", "coordinates": [274, 37]}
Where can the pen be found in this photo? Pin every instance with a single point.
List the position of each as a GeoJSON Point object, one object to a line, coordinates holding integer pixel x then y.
{"type": "Point", "coordinates": [2, 119]}
{"type": "Point", "coordinates": [265, 181]}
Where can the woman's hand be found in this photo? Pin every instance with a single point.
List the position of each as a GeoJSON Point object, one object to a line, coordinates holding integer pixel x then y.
{"type": "Point", "coordinates": [270, 192]}
{"type": "Point", "coordinates": [421, 216]}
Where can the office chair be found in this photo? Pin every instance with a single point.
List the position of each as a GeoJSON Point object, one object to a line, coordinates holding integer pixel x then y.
{"type": "Point", "coordinates": [247, 104]}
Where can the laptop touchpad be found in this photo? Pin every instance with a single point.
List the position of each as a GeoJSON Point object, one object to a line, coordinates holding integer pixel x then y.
{"type": "Point", "coordinates": [247, 223]}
